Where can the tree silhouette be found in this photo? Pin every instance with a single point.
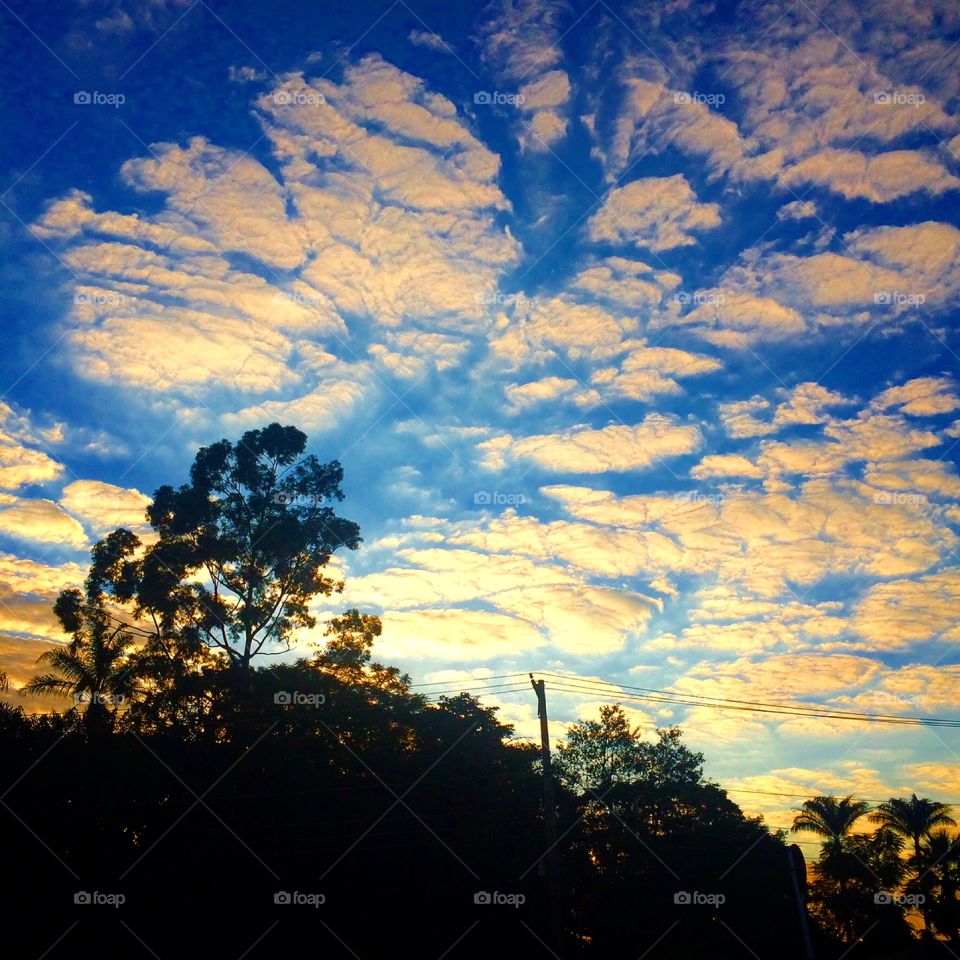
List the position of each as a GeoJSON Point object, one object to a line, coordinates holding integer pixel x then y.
{"type": "Point", "coordinates": [940, 861]}
{"type": "Point", "coordinates": [94, 667]}
{"type": "Point", "coordinates": [240, 552]}
{"type": "Point", "coordinates": [830, 818]}
{"type": "Point", "coordinates": [833, 819]}
{"type": "Point", "coordinates": [915, 818]}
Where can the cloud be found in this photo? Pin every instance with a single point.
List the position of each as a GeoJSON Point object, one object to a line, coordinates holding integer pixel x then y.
{"type": "Point", "coordinates": [541, 100]}
{"type": "Point", "coordinates": [455, 635]}
{"type": "Point", "coordinates": [424, 38]}
{"type": "Point", "coordinates": [655, 212]}
{"type": "Point", "coordinates": [760, 540]}
{"type": "Point", "coordinates": [798, 210]}
{"type": "Point", "coordinates": [736, 319]}
{"type": "Point", "coordinates": [614, 448]}
{"type": "Point", "coordinates": [920, 397]}
{"type": "Point", "coordinates": [880, 179]}
{"type": "Point", "coordinates": [21, 462]}
{"type": "Point", "coordinates": [41, 520]}
{"type": "Point", "coordinates": [105, 506]}
{"type": "Point", "coordinates": [546, 601]}
{"type": "Point", "coordinates": [521, 43]}
{"type": "Point", "coordinates": [725, 465]}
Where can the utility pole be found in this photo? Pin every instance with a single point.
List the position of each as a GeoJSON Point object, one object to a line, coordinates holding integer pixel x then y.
{"type": "Point", "coordinates": [554, 884]}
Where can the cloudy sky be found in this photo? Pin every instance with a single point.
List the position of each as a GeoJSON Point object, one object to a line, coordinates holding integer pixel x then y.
{"type": "Point", "coordinates": [633, 325]}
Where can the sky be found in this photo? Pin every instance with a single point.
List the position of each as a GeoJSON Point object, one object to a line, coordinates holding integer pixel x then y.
{"type": "Point", "coordinates": [634, 327]}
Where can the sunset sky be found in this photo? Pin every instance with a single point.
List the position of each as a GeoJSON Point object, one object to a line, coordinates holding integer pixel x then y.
{"type": "Point", "coordinates": [633, 325]}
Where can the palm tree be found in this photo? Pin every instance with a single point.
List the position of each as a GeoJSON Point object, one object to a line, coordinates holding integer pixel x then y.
{"type": "Point", "coordinates": [834, 819]}
{"type": "Point", "coordinates": [92, 669]}
{"type": "Point", "coordinates": [941, 861]}
{"type": "Point", "coordinates": [914, 818]}
{"type": "Point", "coordinates": [830, 818]}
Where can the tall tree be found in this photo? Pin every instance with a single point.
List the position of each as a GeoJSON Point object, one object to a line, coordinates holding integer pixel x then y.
{"type": "Point", "coordinates": [840, 863]}
{"type": "Point", "coordinates": [241, 548]}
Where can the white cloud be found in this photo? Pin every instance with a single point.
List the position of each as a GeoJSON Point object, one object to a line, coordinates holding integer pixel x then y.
{"type": "Point", "coordinates": [614, 448]}
{"type": "Point", "coordinates": [655, 212]}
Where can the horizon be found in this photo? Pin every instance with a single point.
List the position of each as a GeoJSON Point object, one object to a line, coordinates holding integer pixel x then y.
{"type": "Point", "coordinates": [634, 328]}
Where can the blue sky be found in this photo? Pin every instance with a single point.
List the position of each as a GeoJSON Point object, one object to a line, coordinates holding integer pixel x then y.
{"type": "Point", "coordinates": [634, 327]}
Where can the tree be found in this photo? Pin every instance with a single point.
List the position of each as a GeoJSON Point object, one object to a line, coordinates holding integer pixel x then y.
{"type": "Point", "coordinates": [830, 818]}
{"type": "Point", "coordinates": [598, 754]}
{"type": "Point", "coordinates": [94, 667]}
{"type": "Point", "coordinates": [914, 818]}
{"type": "Point", "coordinates": [839, 865]}
{"type": "Point", "coordinates": [241, 549]}
{"type": "Point", "coordinates": [347, 654]}
{"type": "Point", "coordinates": [940, 860]}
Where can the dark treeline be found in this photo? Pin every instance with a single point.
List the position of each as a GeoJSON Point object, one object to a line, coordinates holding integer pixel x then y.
{"type": "Point", "coordinates": [201, 800]}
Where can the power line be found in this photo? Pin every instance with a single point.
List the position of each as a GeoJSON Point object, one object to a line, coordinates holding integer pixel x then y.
{"type": "Point", "coordinates": [571, 683]}
{"type": "Point", "coordinates": [759, 703]}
